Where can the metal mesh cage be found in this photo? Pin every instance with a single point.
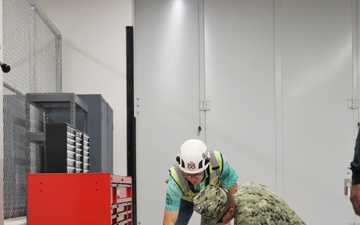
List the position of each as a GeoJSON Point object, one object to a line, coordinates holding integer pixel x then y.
{"type": "Point", "coordinates": [32, 47]}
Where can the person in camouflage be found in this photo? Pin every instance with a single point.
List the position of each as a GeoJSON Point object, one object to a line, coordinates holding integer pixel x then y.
{"type": "Point", "coordinates": [252, 204]}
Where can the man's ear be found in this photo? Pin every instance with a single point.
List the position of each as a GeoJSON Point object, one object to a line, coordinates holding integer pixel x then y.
{"type": "Point", "coordinates": [232, 211]}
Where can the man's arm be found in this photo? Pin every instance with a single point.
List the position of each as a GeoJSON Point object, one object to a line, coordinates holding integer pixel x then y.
{"type": "Point", "coordinates": [355, 164]}
{"type": "Point", "coordinates": [355, 198]}
{"type": "Point", "coordinates": [228, 177]}
{"type": "Point", "coordinates": [172, 204]}
{"type": "Point", "coordinates": [355, 179]}
{"type": "Point", "coordinates": [233, 189]}
{"type": "Point", "coordinates": [170, 217]}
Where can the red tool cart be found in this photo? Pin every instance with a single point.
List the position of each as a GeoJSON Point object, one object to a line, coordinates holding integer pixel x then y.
{"type": "Point", "coordinates": [79, 199]}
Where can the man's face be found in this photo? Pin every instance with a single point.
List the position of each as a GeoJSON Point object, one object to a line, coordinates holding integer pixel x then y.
{"type": "Point", "coordinates": [194, 178]}
{"type": "Point", "coordinates": [226, 218]}
{"type": "Point", "coordinates": [229, 210]}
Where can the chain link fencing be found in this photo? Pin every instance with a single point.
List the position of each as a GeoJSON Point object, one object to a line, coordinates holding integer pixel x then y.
{"type": "Point", "coordinates": [32, 47]}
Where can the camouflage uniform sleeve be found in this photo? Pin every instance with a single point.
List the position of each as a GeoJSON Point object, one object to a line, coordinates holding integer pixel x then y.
{"type": "Point", "coordinates": [228, 177]}
{"type": "Point", "coordinates": [257, 204]}
{"type": "Point", "coordinates": [173, 196]}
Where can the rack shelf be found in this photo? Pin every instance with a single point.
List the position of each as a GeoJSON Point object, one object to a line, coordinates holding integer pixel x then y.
{"type": "Point", "coordinates": [67, 149]}
{"type": "Point", "coordinates": [52, 103]}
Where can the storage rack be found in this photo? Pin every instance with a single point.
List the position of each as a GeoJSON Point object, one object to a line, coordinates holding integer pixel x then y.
{"type": "Point", "coordinates": [121, 200]}
{"type": "Point", "coordinates": [53, 103]}
{"type": "Point", "coordinates": [89, 113]}
{"type": "Point", "coordinates": [66, 149]}
{"type": "Point", "coordinates": [79, 199]}
{"type": "Point", "coordinates": [100, 125]}
{"type": "Point", "coordinates": [86, 153]}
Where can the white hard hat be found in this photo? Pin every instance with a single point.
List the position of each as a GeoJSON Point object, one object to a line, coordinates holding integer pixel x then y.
{"type": "Point", "coordinates": [193, 156]}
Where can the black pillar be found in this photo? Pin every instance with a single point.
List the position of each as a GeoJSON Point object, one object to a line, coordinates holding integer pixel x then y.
{"type": "Point", "coordinates": [131, 119]}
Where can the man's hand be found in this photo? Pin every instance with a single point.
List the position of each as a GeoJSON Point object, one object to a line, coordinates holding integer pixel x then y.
{"type": "Point", "coordinates": [355, 198]}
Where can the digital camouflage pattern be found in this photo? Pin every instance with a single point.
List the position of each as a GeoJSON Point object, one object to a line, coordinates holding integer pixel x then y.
{"type": "Point", "coordinates": [255, 205]}
{"type": "Point", "coordinates": [210, 203]}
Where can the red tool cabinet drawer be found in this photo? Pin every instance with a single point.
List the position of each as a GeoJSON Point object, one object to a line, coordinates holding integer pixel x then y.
{"type": "Point", "coordinates": [79, 199]}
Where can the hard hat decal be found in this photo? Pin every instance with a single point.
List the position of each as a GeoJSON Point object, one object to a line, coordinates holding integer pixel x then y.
{"type": "Point", "coordinates": [191, 165]}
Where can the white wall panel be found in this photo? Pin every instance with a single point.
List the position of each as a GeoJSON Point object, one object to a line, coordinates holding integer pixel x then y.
{"type": "Point", "coordinates": [240, 85]}
{"type": "Point", "coordinates": [278, 75]}
{"type": "Point", "coordinates": [318, 126]}
{"type": "Point", "coordinates": [167, 81]}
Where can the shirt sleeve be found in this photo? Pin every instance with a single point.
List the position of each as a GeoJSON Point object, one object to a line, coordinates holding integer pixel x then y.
{"type": "Point", "coordinates": [173, 195]}
{"type": "Point", "coordinates": [228, 177]}
{"type": "Point", "coordinates": [355, 164]}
